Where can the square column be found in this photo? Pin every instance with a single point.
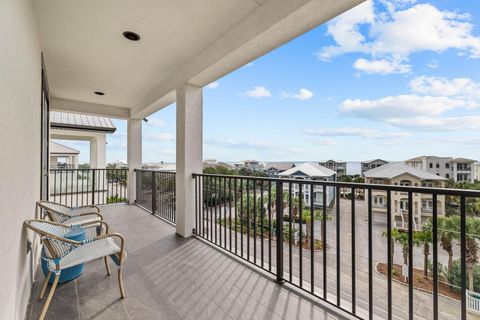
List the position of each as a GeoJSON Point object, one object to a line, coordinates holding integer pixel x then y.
{"type": "Point", "coordinates": [189, 154]}
{"type": "Point", "coordinates": [98, 158]}
{"type": "Point", "coordinates": [134, 155]}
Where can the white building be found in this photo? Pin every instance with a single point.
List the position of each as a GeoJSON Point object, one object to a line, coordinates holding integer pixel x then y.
{"type": "Point", "coordinates": [476, 169]}
{"type": "Point", "coordinates": [63, 157]}
{"type": "Point", "coordinates": [339, 166]}
{"type": "Point", "coordinates": [371, 164]}
{"type": "Point", "coordinates": [310, 171]}
{"type": "Point", "coordinates": [83, 127]}
{"type": "Point", "coordinates": [457, 169]}
{"type": "Point", "coordinates": [274, 168]}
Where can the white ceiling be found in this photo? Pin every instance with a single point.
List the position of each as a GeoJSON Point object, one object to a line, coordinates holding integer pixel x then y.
{"type": "Point", "coordinates": [85, 51]}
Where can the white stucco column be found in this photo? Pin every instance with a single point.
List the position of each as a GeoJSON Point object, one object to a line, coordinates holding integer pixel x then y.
{"type": "Point", "coordinates": [134, 154]}
{"type": "Point", "coordinates": [189, 154]}
{"type": "Point", "coordinates": [98, 153]}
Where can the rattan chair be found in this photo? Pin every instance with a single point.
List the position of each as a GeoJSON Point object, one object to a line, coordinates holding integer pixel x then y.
{"type": "Point", "coordinates": [62, 253]}
{"type": "Point", "coordinates": [60, 213]}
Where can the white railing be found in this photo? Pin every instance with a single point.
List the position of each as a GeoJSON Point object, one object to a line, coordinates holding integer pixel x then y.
{"type": "Point", "coordinates": [473, 302]}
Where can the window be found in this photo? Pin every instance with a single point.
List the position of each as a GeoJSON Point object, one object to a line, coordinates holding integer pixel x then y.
{"type": "Point", "coordinates": [447, 165]}
{"type": "Point", "coordinates": [378, 201]}
{"type": "Point", "coordinates": [405, 183]}
{"type": "Point", "coordinates": [438, 165]}
{"type": "Point", "coordinates": [404, 204]}
{"type": "Point", "coordinates": [431, 165]}
{"type": "Point", "coordinates": [427, 205]}
{"type": "Point", "coordinates": [447, 176]}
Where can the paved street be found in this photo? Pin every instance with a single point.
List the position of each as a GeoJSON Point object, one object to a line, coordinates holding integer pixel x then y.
{"type": "Point", "coordinates": [448, 309]}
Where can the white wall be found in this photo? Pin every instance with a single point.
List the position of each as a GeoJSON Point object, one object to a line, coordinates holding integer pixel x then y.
{"type": "Point", "coordinates": [20, 95]}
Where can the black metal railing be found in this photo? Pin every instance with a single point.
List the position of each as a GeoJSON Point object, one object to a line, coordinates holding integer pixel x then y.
{"type": "Point", "coordinates": [341, 250]}
{"type": "Point", "coordinates": [77, 187]}
{"type": "Point", "coordinates": [155, 192]}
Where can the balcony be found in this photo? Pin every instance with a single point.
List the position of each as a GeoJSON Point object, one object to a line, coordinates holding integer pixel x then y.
{"type": "Point", "coordinates": [171, 277]}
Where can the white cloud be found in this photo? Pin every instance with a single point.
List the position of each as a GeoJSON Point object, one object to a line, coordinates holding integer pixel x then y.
{"type": "Point", "coordinates": [438, 86]}
{"type": "Point", "coordinates": [401, 106]}
{"type": "Point", "coordinates": [161, 137]}
{"type": "Point", "coordinates": [396, 34]}
{"type": "Point", "coordinates": [464, 140]}
{"type": "Point", "coordinates": [324, 143]}
{"type": "Point", "coordinates": [439, 123]}
{"type": "Point", "coordinates": [303, 94]}
{"type": "Point", "coordinates": [156, 123]}
{"type": "Point", "coordinates": [258, 92]}
{"type": "Point", "coordinates": [381, 66]}
{"type": "Point", "coordinates": [433, 64]}
{"type": "Point", "coordinates": [212, 85]}
{"type": "Point", "coordinates": [357, 132]}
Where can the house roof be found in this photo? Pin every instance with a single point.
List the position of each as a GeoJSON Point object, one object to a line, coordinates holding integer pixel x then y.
{"type": "Point", "coordinates": [57, 148]}
{"type": "Point", "coordinates": [333, 160]}
{"type": "Point", "coordinates": [394, 169]}
{"type": "Point", "coordinates": [463, 160]}
{"type": "Point", "coordinates": [83, 122]}
{"type": "Point", "coordinates": [281, 166]}
{"type": "Point", "coordinates": [310, 169]}
{"type": "Point", "coordinates": [373, 160]}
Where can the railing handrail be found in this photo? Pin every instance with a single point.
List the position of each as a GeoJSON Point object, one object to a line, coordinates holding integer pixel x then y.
{"type": "Point", "coordinates": [368, 186]}
{"type": "Point", "coordinates": [152, 170]}
{"type": "Point", "coordinates": [73, 169]}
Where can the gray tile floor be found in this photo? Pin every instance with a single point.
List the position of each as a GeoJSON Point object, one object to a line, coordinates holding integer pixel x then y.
{"type": "Point", "coordinates": [169, 277]}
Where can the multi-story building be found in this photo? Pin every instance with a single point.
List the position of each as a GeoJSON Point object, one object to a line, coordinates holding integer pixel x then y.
{"type": "Point", "coordinates": [249, 164]}
{"type": "Point", "coordinates": [397, 173]}
{"type": "Point", "coordinates": [310, 171]}
{"type": "Point", "coordinates": [371, 164]}
{"type": "Point", "coordinates": [476, 171]}
{"type": "Point", "coordinates": [63, 157]}
{"type": "Point", "coordinates": [456, 169]}
{"type": "Point", "coordinates": [340, 167]}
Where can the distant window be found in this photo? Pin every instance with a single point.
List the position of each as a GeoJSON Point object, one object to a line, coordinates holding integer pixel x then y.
{"type": "Point", "coordinates": [438, 165]}
{"type": "Point", "coordinates": [447, 176]}
{"type": "Point", "coordinates": [447, 165]}
{"type": "Point", "coordinates": [431, 165]}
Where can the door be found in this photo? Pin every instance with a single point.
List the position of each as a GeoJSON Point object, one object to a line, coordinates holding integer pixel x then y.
{"type": "Point", "coordinates": [45, 136]}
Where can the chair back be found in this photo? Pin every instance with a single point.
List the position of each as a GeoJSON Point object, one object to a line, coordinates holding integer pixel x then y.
{"type": "Point", "coordinates": [55, 211]}
{"type": "Point", "coordinates": [53, 235]}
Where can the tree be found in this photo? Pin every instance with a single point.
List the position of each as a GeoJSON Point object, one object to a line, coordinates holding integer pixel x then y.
{"type": "Point", "coordinates": [446, 227]}
{"type": "Point", "coordinates": [424, 237]}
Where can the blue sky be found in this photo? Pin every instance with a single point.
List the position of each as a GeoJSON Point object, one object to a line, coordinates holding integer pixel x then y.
{"type": "Point", "coordinates": [389, 79]}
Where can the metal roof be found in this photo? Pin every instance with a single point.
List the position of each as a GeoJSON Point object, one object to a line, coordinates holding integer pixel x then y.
{"type": "Point", "coordinates": [57, 148]}
{"type": "Point", "coordinates": [394, 169]}
{"type": "Point", "coordinates": [310, 169]}
{"type": "Point", "coordinates": [79, 121]}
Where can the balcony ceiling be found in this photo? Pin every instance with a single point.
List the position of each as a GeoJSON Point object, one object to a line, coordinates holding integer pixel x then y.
{"type": "Point", "coordinates": [85, 51]}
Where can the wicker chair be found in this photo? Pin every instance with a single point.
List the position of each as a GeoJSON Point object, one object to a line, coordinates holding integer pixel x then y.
{"type": "Point", "coordinates": [60, 213]}
{"type": "Point", "coordinates": [63, 253]}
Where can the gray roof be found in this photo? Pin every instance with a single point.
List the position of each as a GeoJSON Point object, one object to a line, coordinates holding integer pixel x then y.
{"type": "Point", "coordinates": [310, 169]}
{"type": "Point", "coordinates": [394, 169]}
{"type": "Point", "coordinates": [57, 148]}
{"type": "Point", "coordinates": [463, 160]}
{"type": "Point", "coordinates": [372, 160]}
{"type": "Point", "coordinates": [78, 121]}
{"type": "Point", "coordinates": [280, 166]}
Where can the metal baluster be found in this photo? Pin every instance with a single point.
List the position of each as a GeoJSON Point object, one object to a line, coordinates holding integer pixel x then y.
{"type": "Point", "coordinates": [312, 239]}
{"type": "Point", "coordinates": [279, 208]}
{"type": "Point", "coordinates": [370, 256]}
{"type": "Point", "coordinates": [324, 240]}
{"type": "Point", "coordinates": [300, 237]}
{"type": "Point", "coordinates": [410, 255]}
{"type": "Point", "coordinates": [353, 270]}
{"type": "Point", "coordinates": [262, 216]}
{"type": "Point", "coordinates": [337, 218]}
{"type": "Point", "coordinates": [270, 225]}
{"type": "Point", "coordinates": [389, 254]}
{"type": "Point", "coordinates": [463, 254]}
{"type": "Point", "coordinates": [435, 256]}
{"type": "Point", "coordinates": [290, 231]}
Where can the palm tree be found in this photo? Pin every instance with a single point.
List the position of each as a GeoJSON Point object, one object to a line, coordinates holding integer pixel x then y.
{"type": "Point", "coordinates": [424, 237]}
{"type": "Point", "coordinates": [446, 227]}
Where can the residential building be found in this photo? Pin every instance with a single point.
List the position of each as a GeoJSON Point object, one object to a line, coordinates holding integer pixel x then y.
{"type": "Point", "coordinates": [212, 163]}
{"type": "Point", "coordinates": [63, 157]}
{"type": "Point", "coordinates": [456, 169]}
{"type": "Point", "coordinates": [371, 164]}
{"type": "Point", "coordinates": [339, 166]}
{"type": "Point", "coordinates": [83, 127]}
{"type": "Point", "coordinates": [274, 168]}
{"type": "Point", "coordinates": [397, 173]}
{"type": "Point", "coordinates": [476, 170]}
{"type": "Point", "coordinates": [310, 171]}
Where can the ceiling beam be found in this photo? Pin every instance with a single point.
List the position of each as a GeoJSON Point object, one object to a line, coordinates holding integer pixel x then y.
{"type": "Point", "coordinates": [268, 27]}
{"type": "Point", "coordinates": [58, 104]}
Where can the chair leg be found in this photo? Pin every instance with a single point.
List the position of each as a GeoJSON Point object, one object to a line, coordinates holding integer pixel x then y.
{"type": "Point", "coordinates": [120, 282]}
{"type": "Point", "coordinates": [106, 265]}
{"type": "Point", "coordinates": [49, 297]}
{"type": "Point", "coordinates": [44, 287]}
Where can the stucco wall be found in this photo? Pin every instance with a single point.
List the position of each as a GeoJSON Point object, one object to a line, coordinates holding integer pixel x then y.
{"type": "Point", "coordinates": [20, 92]}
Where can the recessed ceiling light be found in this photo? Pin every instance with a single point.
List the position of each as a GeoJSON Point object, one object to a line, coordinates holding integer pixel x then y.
{"type": "Point", "coordinates": [130, 35]}
{"type": "Point", "coordinates": [99, 93]}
